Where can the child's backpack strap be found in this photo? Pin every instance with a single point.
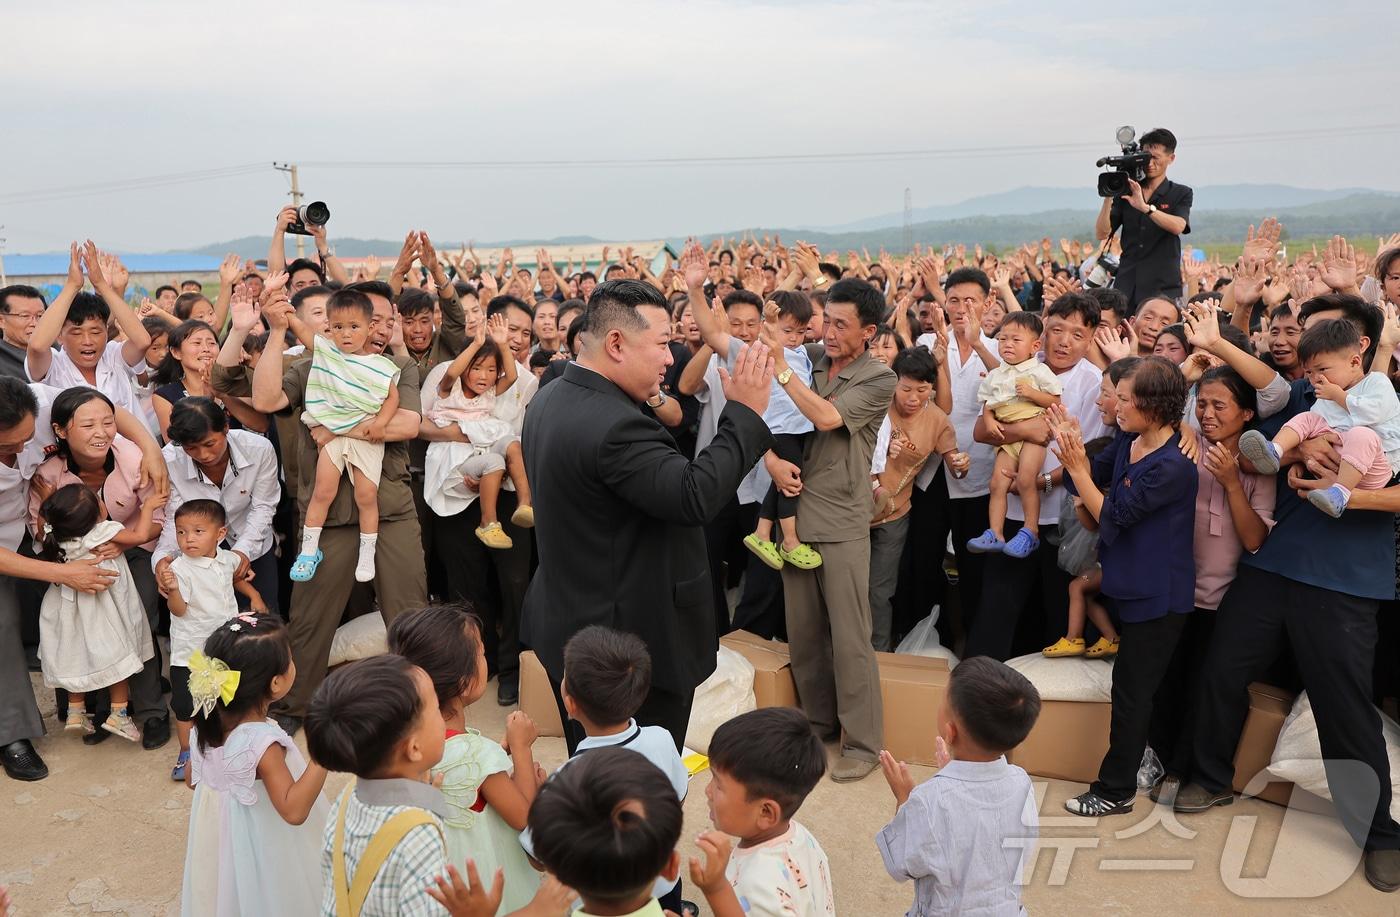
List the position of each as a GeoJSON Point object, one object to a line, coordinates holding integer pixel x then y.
{"type": "Point", "coordinates": [350, 898]}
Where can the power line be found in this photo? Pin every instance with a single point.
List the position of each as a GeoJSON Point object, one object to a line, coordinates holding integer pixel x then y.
{"type": "Point", "coordinates": [130, 184]}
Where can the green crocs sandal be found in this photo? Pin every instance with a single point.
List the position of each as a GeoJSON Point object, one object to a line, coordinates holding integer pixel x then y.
{"type": "Point", "coordinates": [802, 557]}
{"type": "Point", "coordinates": [765, 551]}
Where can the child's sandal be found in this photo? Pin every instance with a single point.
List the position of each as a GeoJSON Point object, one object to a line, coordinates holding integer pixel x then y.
{"type": "Point", "coordinates": [803, 557]}
{"type": "Point", "coordinates": [304, 567]}
{"type": "Point", "coordinates": [764, 550]}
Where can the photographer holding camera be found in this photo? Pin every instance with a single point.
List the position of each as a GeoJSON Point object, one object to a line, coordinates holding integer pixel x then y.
{"type": "Point", "coordinates": [1154, 213]}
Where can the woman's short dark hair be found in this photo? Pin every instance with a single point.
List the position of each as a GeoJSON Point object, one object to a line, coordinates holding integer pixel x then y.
{"type": "Point", "coordinates": [170, 369]}
{"type": "Point", "coordinates": [442, 640]}
{"type": "Point", "coordinates": [773, 753]}
{"type": "Point", "coordinates": [359, 714]}
{"type": "Point", "coordinates": [915, 363]}
{"type": "Point", "coordinates": [1244, 394]}
{"type": "Point", "coordinates": [1159, 390]}
{"type": "Point", "coordinates": [881, 331]}
{"type": "Point", "coordinates": [1120, 368]}
{"type": "Point", "coordinates": [67, 404]}
{"type": "Point", "coordinates": [608, 673]}
{"type": "Point", "coordinates": [607, 824]}
{"type": "Point", "coordinates": [1177, 331]}
{"type": "Point", "coordinates": [193, 418]}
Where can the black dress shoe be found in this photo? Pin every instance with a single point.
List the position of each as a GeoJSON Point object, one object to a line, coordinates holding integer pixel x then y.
{"type": "Point", "coordinates": [98, 737]}
{"type": "Point", "coordinates": [22, 762]}
{"type": "Point", "coordinates": [508, 691]}
{"type": "Point", "coordinates": [155, 732]}
{"type": "Point", "coordinates": [290, 724]}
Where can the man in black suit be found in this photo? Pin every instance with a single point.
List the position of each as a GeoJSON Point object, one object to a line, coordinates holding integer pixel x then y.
{"type": "Point", "coordinates": [618, 509]}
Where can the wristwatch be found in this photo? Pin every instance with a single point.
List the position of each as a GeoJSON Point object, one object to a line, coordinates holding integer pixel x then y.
{"type": "Point", "coordinates": [1151, 209]}
{"type": "Point", "coordinates": [821, 280]}
{"type": "Point", "coordinates": [1049, 481]}
{"type": "Point", "coordinates": [657, 400]}
{"type": "Point", "coordinates": [785, 376]}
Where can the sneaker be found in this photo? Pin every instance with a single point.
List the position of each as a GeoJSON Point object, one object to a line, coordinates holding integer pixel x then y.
{"type": "Point", "coordinates": [1383, 869]}
{"type": "Point", "coordinates": [1022, 545]}
{"type": "Point", "coordinates": [1092, 805]}
{"type": "Point", "coordinates": [1262, 454]}
{"type": "Point", "coordinates": [1195, 798]}
{"type": "Point", "coordinates": [1331, 500]}
{"type": "Point", "coordinates": [1065, 646]}
{"type": "Point", "coordinates": [493, 536]}
{"type": "Point", "coordinates": [986, 543]}
{"type": "Point", "coordinates": [803, 557]}
{"type": "Point", "coordinates": [177, 773]}
{"type": "Point", "coordinates": [119, 723]}
{"type": "Point", "coordinates": [764, 550]}
{"type": "Point", "coordinates": [524, 516]}
{"type": "Point", "coordinates": [79, 722]}
{"type": "Point", "coordinates": [1103, 648]}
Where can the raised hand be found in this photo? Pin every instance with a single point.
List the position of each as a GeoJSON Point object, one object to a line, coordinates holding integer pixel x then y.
{"type": "Point", "coordinates": [230, 269]}
{"type": "Point", "coordinates": [750, 383]}
{"type": "Point", "coordinates": [897, 776]}
{"type": "Point", "coordinates": [695, 265]}
{"type": "Point", "coordinates": [709, 875]}
{"type": "Point", "coordinates": [1111, 344]}
{"type": "Point", "coordinates": [1339, 265]}
{"type": "Point", "coordinates": [369, 270]}
{"type": "Point", "coordinates": [244, 311]}
{"type": "Point", "coordinates": [407, 255]}
{"type": "Point", "coordinates": [1203, 326]}
{"type": "Point", "coordinates": [92, 263]}
{"type": "Point", "coordinates": [429, 257]}
{"type": "Point", "coordinates": [1263, 245]}
{"type": "Point", "coordinates": [1248, 282]}
{"type": "Point", "coordinates": [499, 331]}
{"type": "Point", "coordinates": [75, 266]}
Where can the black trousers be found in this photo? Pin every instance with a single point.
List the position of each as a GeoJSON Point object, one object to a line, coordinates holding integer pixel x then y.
{"type": "Point", "coordinates": [1173, 730]}
{"type": "Point", "coordinates": [1333, 636]}
{"type": "Point", "coordinates": [788, 447]}
{"type": "Point", "coordinates": [760, 610]}
{"type": "Point", "coordinates": [932, 515]}
{"type": "Point", "coordinates": [1025, 603]}
{"type": "Point", "coordinates": [667, 709]}
{"type": "Point", "coordinates": [724, 543]}
{"type": "Point", "coordinates": [470, 566]}
{"type": "Point", "coordinates": [1145, 653]}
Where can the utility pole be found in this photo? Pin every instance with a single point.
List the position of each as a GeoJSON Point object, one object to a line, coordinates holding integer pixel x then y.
{"type": "Point", "coordinates": [291, 168]}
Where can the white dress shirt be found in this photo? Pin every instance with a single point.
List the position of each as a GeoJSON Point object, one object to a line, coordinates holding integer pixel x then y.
{"type": "Point", "coordinates": [14, 479]}
{"type": "Point", "coordinates": [115, 377]}
{"type": "Point", "coordinates": [249, 493]}
{"type": "Point", "coordinates": [964, 377]}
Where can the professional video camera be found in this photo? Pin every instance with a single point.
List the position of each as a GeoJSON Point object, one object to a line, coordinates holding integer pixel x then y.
{"type": "Point", "coordinates": [315, 213]}
{"type": "Point", "coordinates": [1132, 164]}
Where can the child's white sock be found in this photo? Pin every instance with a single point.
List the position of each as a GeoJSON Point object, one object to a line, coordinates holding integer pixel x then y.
{"type": "Point", "coordinates": [310, 540]}
{"type": "Point", "coordinates": [364, 567]}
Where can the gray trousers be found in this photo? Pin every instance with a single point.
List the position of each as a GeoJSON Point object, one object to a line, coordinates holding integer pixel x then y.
{"type": "Point", "coordinates": [886, 549]}
{"type": "Point", "coordinates": [828, 622]}
{"type": "Point", "coordinates": [19, 714]}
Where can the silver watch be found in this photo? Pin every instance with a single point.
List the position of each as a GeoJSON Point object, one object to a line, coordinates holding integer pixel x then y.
{"type": "Point", "coordinates": [1049, 480]}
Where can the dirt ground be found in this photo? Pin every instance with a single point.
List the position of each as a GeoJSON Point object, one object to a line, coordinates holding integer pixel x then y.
{"type": "Point", "coordinates": [105, 834]}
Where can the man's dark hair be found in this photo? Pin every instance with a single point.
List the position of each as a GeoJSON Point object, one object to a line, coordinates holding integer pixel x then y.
{"type": "Point", "coordinates": [17, 402]}
{"type": "Point", "coordinates": [1111, 299]}
{"type": "Point", "coordinates": [414, 302]}
{"type": "Point", "coordinates": [916, 363]}
{"type": "Point", "coordinates": [869, 303]}
{"type": "Point", "coordinates": [571, 336]}
{"type": "Point", "coordinates": [770, 269]}
{"type": "Point", "coordinates": [505, 302]}
{"type": "Point", "coordinates": [1366, 318]}
{"type": "Point", "coordinates": [371, 288]}
{"type": "Point", "coordinates": [189, 282]}
{"type": "Point", "coordinates": [19, 289]}
{"type": "Point", "coordinates": [1159, 136]}
{"type": "Point", "coordinates": [772, 752]}
{"type": "Point", "coordinates": [1021, 319]}
{"type": "Point", "coordinates": [995, 704]}
{"type": "Point", "coordinates": [212, 510]}
{"type": "Point", "coordinates": [306, 264]}
{"type": "Point", "coordinates": [540, 359]}
{"type": "Point", "coordinates": [613, 269]}
{"type": "Point", "coordinates": [1330, 336]}
{"type": "Point", "coordinates": [162, 288]}
{"type": "Point", "coordinates": [361, 712]}
{"type": "Point", "coordinates": [832, 271]}
{"type": "Point", "coordinates": [1080, 304]}
{"type": "Point", "coordinates": [793, 304]}
{"type": "Point", "coordinates": [465, 289]}
{"type": "Point", "coordinates": [614, 304]}
{"type": "Point", "coordinates": [607, 824]}
{"type": "Point", "coordinates": [969, 275]}
{"type": "Point", "coordinates": [305, 293]}
{"type": "Point", "coordinates": [588, 275]}
{"type": "Point", "coordinates": [1159, 390]}
{"type": "Point", "coordinates": [444, 641]}
{"type": "Point", "coordinates": [743, 297]}
{"type": "Point", "coordinates": [348, 299]}
{"type": "Point", "coordinates": [193, 418]}
{"type": "Point", "coordinates": [608, 673]}
{"type": "Point", "coordinates": [86, 306]}
{"type": "Point", "coordinates": [1162, 299]}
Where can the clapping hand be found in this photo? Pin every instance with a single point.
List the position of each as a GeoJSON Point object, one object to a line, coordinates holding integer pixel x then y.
{"type": "Point", "coordinates": [1069, 443]}
{"type": "Point", "coordinates": [897, 776]}
{"type": "Point", "coordinates": [751, 381]}
{"type": "Point", "coordinates": [1223, 465]}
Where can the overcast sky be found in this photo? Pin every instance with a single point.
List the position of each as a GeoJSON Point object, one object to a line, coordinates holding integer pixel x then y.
{"type": "Point", "coordinates": [100, 92]}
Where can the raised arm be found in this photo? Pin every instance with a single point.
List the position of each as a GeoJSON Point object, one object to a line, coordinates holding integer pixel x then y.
{"type": "Point", "coordinates": [692, 380]}
{"type": "Point", "coordinates": [277, 250]}
{"type": "Point", "coordinates": [41, 341]}
{"type": "Point", "coordinates": [407, 255]}
{"type": "Point", "coordinates": [331, 266]}
{"type": "Point", "coordinates": [138, 339]}
{"type": "Point", "coordinates": [454, 319]}
{"type": "Point", "coordinates": [694, 268]}
{"type": "Point", "coordinates": [460, 363]}
{"type": "Point", "coordinates": [268, 395]}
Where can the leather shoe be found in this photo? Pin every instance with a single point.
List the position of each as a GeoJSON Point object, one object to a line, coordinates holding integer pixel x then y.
{"type": "Point", "coordinates": [155, 732]}
{"type": "Point", "coordinates": [22, 762]}
{"type": "Point", "coordinates": [1194, 798]}
{"type": "Point", "coordinates": [508, 691]}
{"type": "Point", "coordinates": [1383, 869]}
{"type": "Point", "coordinates": [98, 737]}
{"type": "Point", "coordinates": [290, 724]}
{"type": "Point", "coordinates": [849, 770]}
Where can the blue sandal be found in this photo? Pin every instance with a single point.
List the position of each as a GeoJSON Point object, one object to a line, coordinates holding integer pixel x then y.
{"type": "Point", "coordinates": [304, 567]}
{"type": "Point", "coordinates": [1022, 545]}
{"type": "Point", "coordinates": [986, 543]}
{"type": "Point", "coordinates": [177, 773]}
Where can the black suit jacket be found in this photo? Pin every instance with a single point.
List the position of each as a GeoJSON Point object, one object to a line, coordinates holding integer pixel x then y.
{"type": "Point", "coordinates": [618, 512]}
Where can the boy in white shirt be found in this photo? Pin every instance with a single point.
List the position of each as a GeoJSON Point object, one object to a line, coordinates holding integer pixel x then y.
{"type": "Point", "coordinates": [964, 835]}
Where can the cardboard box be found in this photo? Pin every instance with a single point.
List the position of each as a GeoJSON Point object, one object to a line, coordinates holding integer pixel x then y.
{"type": "Point", "coordinates": [913, 689]}
{"type": "Point", "coordinates": [537, 697]}
{"type": "Point", "coordinates": [1068, 741]}
{"type": "Point", "coordinates": [1268, 708]}
{"type": "Point", "coordinates": [772, 670]}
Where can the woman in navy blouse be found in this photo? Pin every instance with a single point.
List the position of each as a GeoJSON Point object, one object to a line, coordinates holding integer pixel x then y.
{"type": "Point", "coordinates": [1146, 522]}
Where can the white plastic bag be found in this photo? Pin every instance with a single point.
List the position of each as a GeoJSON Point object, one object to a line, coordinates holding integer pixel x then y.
{"type": "Point", "coordinates": [1150, 771]}
{"type": "Point", "coordinates": [727, 693]}
{"type": "Point", "coordinates": [923, 641]}
{"type": "Point", "coordinates": [1297, 755]}
{"type": "Point", "coordinates": [359, 638]}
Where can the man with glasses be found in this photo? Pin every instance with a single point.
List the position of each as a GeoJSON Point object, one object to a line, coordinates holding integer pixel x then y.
{"type": "Point", "coordinates": [21, 307]}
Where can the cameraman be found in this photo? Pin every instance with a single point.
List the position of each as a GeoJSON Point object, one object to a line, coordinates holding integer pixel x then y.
{"type": "Point", "coordinates": [1153, 218]}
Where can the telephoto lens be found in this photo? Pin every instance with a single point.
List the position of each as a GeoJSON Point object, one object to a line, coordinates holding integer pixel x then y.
{"type": "Point", "coordinates": [315, 213]}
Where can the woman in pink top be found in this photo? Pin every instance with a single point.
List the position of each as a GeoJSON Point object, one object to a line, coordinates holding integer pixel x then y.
{"type": "Point", "coordinates": [90, 452]}
{"type": "Point", "coordinates": [1234, 512]}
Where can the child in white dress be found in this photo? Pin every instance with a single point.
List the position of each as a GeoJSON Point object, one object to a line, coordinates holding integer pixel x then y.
{"type": "Point", "coordinates": [254, 844]}
{"type": "Point", "coordinates": [199, 587]}
{"type": "Point", "coordinates": [487, 805]}
{"type": "Point", "coordinates": [467, 398]}
{"type": "Point", "coordinates": [96, 640]}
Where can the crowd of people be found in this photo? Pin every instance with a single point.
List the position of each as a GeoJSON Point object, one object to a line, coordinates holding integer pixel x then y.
{"type": "Point", "coordinates": [197, 493]}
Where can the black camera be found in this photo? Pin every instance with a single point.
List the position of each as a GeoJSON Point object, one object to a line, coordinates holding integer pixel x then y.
{"type": "Point", "coordinates": [1132, 164]}
{"type": "Point", "coordinates": [315, 213]}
